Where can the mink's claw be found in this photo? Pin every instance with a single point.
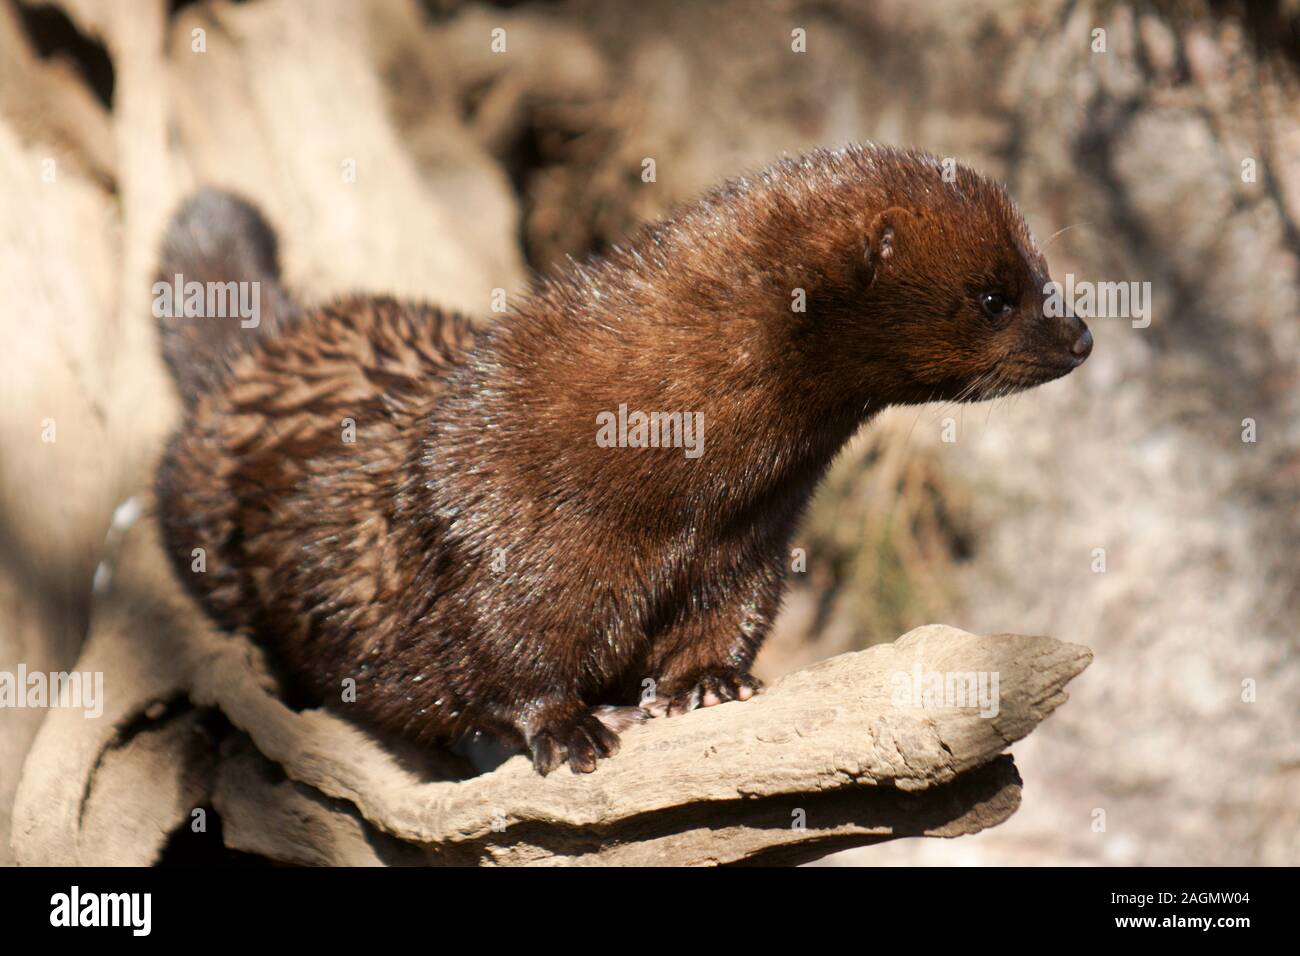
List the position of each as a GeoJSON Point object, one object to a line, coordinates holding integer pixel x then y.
{"type": "Point", "coordinates": [619, 719]}
{"type": "Point", "coordinates": [707, 690]}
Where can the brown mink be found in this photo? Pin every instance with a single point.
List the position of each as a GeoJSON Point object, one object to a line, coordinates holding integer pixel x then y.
{"type": "Point", "coordinates": [488, 552]}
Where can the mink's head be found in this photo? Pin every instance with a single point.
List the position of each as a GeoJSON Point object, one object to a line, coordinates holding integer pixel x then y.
{"type": "Point", "coordinates": [946, 301]}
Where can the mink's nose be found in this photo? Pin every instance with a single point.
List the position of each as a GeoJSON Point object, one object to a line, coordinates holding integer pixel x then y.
{"type": "Point", "coordinates": [1082, 346]}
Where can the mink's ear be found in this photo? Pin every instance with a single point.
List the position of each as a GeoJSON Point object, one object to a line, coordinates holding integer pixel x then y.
{"type": "Point", "coordinates": [886, 236]}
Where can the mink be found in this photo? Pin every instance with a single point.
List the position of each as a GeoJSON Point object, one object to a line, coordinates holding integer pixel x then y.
{"type": "Point", "coordinates": [549, 528]}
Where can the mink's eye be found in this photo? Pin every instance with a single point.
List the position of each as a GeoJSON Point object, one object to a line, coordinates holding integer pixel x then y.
{"type": "Point", "coordinates": [995, 304]}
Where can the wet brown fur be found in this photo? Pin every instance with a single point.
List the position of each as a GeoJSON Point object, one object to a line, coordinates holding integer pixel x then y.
{"type": "Point", "coordinates": [373, 560]}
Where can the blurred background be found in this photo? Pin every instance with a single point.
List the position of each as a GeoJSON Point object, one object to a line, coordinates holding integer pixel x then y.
{"type": "Point", "coordinates": [397, 151]}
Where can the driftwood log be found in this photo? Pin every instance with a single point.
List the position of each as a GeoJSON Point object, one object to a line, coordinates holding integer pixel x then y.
{"type": "Point", "coordinates": [827, 758]}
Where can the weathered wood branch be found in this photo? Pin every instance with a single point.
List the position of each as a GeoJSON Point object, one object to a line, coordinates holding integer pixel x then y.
{"type": "Point", "coordinates": [831, 756]}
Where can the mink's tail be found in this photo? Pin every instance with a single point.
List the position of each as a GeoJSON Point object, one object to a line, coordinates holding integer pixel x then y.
{"type": "Point", "coordinates": [218, 287]}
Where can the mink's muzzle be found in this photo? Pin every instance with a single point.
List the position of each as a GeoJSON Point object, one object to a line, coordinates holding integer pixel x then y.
{"type": "Point", "coordinates": [1073, 341]}
{"type": "Point", "coordinates": [1053, 348]}
{"type": "Point", "coordinates": [1064, 346]}
{"type": "Point", "coordinates": [1082, 346]}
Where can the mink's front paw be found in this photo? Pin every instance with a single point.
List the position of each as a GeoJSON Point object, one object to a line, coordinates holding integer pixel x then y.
{"type": "Point", "coordinates": [705, 690]}
{"type": "Point", "coordinates": [582, 740]}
